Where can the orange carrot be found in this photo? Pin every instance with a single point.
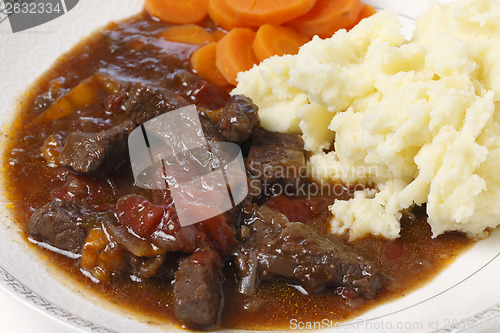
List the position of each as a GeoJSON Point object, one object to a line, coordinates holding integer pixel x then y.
{"type": "Point", "coordinates": [178, 11]}
{"type": "Point", "coordinates": [218, 34]}
{"type": "Point", "coordinates": [83, 95]}
{"type": "Point", "coordinates": [326, 17]}
{"type": "Point", "coordinates": [224, 16]}
{"type": "Point", "coordinates": [187, 33]}
{"type": "Point", "coordinates": [273, 40]}
{"type": "Point", "coordinates": [259, 12]}
{"type": "Point", "coordinates": [235, 53]}
{"type": "Point", "coordinates": [366, 11]}
{"type": "Point", "coordinates": [203, 62]}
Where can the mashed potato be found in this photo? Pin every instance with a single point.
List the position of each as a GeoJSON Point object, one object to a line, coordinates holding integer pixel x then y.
{"type": "Point", "coordinates": [420, 118]}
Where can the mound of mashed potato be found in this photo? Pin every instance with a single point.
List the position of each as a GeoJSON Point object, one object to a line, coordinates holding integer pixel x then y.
{"type": "Point", "coordinates": [420, 119]}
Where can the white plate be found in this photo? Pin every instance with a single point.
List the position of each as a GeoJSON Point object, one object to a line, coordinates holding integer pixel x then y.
{"type": "Point", "coordinates": [465, 297]}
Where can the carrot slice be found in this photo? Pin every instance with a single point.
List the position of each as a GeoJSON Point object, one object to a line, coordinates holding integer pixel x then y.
{"type": "Point", "coordinates": [203, 62]}
{"type": "Point", "coordinates": [326, 17]}
{"type": "Point", "coordinates": [235, 53]}
{"type": "Point", "coordinates": [259, 12]}
{"type": "Point", "coordinates": [224, 16]}
{"type": "Point", "coordinates": [366, 11]}
{"type": "Point", "coordinates": [178, 11]}
{"type": "Point", "coordinates": [84, 94]}
{"type": "Point", "coordinates": [187, 33]}
{"type": "Point", "coordinates": [273, 40]}
{"type": "Point", "coordinates": [218, 34]}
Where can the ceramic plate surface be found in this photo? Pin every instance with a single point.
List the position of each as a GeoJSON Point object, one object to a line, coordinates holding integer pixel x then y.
{"type": "Point", "coordinates": [463, 298]}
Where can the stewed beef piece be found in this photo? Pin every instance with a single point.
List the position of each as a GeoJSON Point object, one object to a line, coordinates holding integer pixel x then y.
{"type": "Point", "coordinates": [198, 290]}
{"type": "Point", "coordinates": [97, 153]}
{"type": "Point", "coordinates": [146, 102]}
{"type": "Point", "coordinates": [276, 158]}
{"type": "Point", "coordinates": [59, 224]}
{"type": "Point", "coordinates": [277, 248]}
{"type": "Point", "coordinates": [238, 118]}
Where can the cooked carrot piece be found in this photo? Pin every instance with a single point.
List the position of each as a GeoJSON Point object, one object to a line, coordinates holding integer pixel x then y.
{"type": "Point", "coordinates": [366, 11]}
{"type": "Point", "coordinates": [84, 94]}
{"type": "Point", "coordinates": [235, 53]}
{"type": "Point", "coordinates": [188, 33]}
{"type": "Point", "coordinates": [218, 34]}
{"type": "Point", "coordinates": [273, 40]}
{"type": "Point", "coordinates": [326, 17]}
{"type": "Point", "coordinates": [224, 16]}
{"type": "Point", "coordinates": [178, 11]}
{"type": "Point", "coordinates": [259, 12]}
{"type": "Point", "coordinates": [203, 62]}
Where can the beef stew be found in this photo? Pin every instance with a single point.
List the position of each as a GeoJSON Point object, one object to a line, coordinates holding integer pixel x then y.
{"type": "Point", "coordinates": [267, 261]}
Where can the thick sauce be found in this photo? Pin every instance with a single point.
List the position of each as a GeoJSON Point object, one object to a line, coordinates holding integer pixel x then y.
{"type": "Point", "coordinates": [131, 51]}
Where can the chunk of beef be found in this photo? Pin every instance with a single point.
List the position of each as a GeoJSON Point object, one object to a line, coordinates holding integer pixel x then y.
{"type": "Point", "coordinates": [293, 251]}
{"type": "Point", "coordinates": [59, 223]}
{"type": "Point", "coordinates": [146, 102]}
{"type": "Point", "coordinates": [97, 153]}
{"type": "Point", "coordinates": [198, 290]}
{"type": "Point", "coordinates": [238, 119]}
{"type": "Point", "coordinates": [218, 157]}
{"type": "Point", "coordinates": [209, 128]}
{"type": "Point", "coordinates": [276, 158]}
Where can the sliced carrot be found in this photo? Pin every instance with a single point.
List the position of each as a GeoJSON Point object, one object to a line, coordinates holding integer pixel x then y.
{"type": "Point", "coordinates": [273, 40]}
{"type": "Point", "coordinates": [203, 62]}
{"type": "Point", "coordinates": [224, 16]}
{"type": "Point", "coordinates": [259, 12]}
{"type": "Point", "coordinates": [83, 95]}
{"type": "Point", "coordinates": [366, 11]}
{"type": "Point", "coordinates": [235, 53]}
{"type": "Point", "coordinates": [178, 11]}
{"type": "Point", "coordinates": [218, 34]}
{"type": "Point", "coordinates": [188, 33]}
{"type": "Point", "coordinates": [326, 17]}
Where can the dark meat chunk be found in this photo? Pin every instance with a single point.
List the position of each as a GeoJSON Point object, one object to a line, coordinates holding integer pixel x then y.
{"type": "Point", "coordinates": [59, 223]}
{"type": "Point", "coordinates": [209, 129]}
{"type": "Point", "coordinates": [238, 119]}
{"type": "Point", "coordinates": [97, 153]}
{"type": "Point", "coordinates": [198, 290]}
{"type": "Point", "coordinates": [276, 158]}
{"type": "Point", "coordinates": [146, 102]}
{"type": "Point", "coordinates": [293, 251]}
{"type": "Point", "coordinates": [218, 156]}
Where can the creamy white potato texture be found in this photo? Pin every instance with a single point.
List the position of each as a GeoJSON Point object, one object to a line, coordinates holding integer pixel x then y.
{"type": "Point", "coordinates": [420, 119]}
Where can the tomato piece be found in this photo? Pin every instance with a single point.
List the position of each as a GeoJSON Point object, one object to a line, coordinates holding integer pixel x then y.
{"type": "Point", "coordinates": [298, 209]}
{"type": "Point", "coordinates": [393, 250]}
{"type": "Point", "coordinates": [160, 218]}
{"type": "Point", "coordinates": [112, 103]}
{"type": "Point", "coordinates": [139, 214]}
{"type": "Point", "coordinates": [220, 232]}
{"type": "Point", "coordinates": [162, 197]}
{"type": "Point", "coordinates": [207, 95]}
